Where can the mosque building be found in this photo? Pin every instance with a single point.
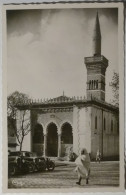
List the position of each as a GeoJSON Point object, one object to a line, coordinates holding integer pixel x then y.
{"type": "Point", "coordinates": [65, 124]}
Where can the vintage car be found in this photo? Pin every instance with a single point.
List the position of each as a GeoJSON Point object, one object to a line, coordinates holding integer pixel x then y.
{"type": "Point", "coordinates": [25, 162]}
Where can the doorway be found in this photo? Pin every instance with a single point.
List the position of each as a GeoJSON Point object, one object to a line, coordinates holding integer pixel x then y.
{"type": "Point", "coordinates": [52, 140]}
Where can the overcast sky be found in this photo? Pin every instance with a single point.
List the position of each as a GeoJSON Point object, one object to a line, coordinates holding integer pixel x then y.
{"type": "Point", "coordinates": [46, 50]}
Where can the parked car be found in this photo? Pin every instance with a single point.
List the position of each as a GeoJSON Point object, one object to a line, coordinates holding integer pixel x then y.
{"type": "Point", "coordinates": [25, 162]}
{"type": "Point", "coordinates": [40, 164]}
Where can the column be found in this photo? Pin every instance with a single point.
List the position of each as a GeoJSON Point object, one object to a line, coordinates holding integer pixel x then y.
{"type": "Point", "coordinates": [59, 145]}
{"type": "Point", "coordinates": [45, 144]}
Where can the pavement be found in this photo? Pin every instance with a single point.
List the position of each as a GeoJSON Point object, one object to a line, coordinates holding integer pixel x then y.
{"type": "Point", "coordinates": [104, 174]}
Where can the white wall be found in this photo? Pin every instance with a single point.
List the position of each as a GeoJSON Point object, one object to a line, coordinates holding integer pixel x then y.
{"type": "Point", "coordinates": [85, 128]}
{"type": "Point", "coordinates": [75, 130]}
{"type": "Point", "coordinates": [81, 129]}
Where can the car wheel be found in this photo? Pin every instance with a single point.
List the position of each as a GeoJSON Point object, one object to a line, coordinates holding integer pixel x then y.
{"type": "Point", "coordinates": [31, 168]}
{"type": "Point", "coordinates": [51, 166]}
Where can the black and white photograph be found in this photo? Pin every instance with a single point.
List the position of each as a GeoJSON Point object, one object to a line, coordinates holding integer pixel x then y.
{"type": "Point", "coordinates": [63, 86]}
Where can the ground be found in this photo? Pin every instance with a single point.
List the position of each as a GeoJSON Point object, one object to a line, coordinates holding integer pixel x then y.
{"type": "Point", "coordinates": [102, 175]}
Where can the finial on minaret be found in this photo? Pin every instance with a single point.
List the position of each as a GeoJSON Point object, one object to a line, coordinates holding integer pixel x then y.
{"type": "Point", "coordinates": [97, 37]}
{"type": "Point", "coordinates": [63, 93]}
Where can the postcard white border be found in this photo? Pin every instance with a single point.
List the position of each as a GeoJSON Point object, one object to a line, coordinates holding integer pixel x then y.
{"type": "Point", "coordinates": [121, 92]}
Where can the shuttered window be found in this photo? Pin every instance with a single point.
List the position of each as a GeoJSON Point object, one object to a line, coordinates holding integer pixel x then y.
{"type": "Point", "coordinates": [111, 125]}
{"type": "Point", "coordinates": [104, 124]}
{"type": "Point", "coordinates": [95, 122]}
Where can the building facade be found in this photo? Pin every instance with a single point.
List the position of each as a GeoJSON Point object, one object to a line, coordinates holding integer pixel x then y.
{"type": "Point", "coordinates": [63, 124]}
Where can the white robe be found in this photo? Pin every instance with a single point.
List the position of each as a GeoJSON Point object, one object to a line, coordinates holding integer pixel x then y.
{"type": "Point", "coordinates": [83, 165]}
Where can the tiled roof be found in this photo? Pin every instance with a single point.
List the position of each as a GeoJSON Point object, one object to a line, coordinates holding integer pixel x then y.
{"type": "Point", "coordinates": [60, 99]}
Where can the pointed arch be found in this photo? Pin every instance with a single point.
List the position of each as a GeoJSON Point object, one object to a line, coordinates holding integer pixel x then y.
{"type": "Point", "coordinates": [38, 136]}
{"type": "Point", "coordinates": [66, 133]}
{"type": "Point", "coordinates": [52, 139]}
{"type": "Point", "coordinates": [63, 122]}
{"type": "Point", "coordinates": [47, 125]}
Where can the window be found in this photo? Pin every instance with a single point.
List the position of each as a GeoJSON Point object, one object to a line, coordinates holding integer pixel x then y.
{"type": "Point", "coordinates": [97, 84]}
{"type": "Point", "coordinates": [104, 124]}
{"type": "Point", "coordinates": [111, 125]}
{"type": "Point", "coordinates": [96, 122]}
{"type": "Point", "coordinates": [89, 84]}
{"type": "Point", "coordinates": [92, 85]}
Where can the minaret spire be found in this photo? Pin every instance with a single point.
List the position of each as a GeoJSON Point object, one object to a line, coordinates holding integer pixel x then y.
{"type": "Point", "coordinates": [97, 37]}
{"type": "Point", "coordinates": [96, 67]}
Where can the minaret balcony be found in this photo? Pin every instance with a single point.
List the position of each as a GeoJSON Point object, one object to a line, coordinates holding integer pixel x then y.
{"type": "Point", "coordinates": [96, 60]}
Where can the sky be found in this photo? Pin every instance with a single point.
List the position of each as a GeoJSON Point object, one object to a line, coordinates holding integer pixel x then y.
{"type": "Point", "coordinates": [46, 50]}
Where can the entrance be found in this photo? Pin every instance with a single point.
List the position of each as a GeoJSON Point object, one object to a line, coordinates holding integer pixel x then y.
{"type": "Point", "coordinates": [38, 140]}
{"type": "Point", "coordinates": [67, 137]}
{"type": "Point", "coordinates": [52, 140]}
{"type": "Point", "coordinates": [66, 140]}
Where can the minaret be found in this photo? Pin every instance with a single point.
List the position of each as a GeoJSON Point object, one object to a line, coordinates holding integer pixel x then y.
{"type": "Point", "coordinates": [96, 67]}
{"type": "Point", "coordinates": [97, 38]}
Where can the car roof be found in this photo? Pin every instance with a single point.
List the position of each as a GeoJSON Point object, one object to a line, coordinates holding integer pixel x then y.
{"type": "Point", "coordinates": [20, 151]}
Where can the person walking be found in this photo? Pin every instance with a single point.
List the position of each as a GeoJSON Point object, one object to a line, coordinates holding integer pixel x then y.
{"type": "Point", "coordinates": [83, 166]}
{"type": "Point", "coordinates": [98, 156]}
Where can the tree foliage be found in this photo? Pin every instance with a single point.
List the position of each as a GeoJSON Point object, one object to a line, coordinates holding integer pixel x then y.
{"type": "Point", "coordinates": [13, 100]}
{"type": "Point", "coordinates": [115, 88]}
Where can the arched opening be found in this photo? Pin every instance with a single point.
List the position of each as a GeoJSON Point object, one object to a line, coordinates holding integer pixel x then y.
{"type": "Point", "coordinates": [89, 84]}
{"type": "Point", "coordinates": [111, 126]}
{"type": "Point", "coordinates": [95, 122]}
{"type": "Point", "coordinates": [66, 139]}
{"type": "Point", "coordinates": [52, 140]}
{"type": "Point", "coordinates": [97, 85]}
{"type": "Point", "coordinates": [92, 85]}
{"type": "Point", "coordinates": [38, 139]}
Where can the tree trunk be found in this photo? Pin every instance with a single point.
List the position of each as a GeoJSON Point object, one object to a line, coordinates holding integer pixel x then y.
{"type": "Point", "coordinates": [21, 144]}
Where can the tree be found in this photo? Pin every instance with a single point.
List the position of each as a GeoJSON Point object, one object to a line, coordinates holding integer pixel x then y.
{"type": "Point", "coordinates": [20, 117]}
{"type": "Point", "coordinates": [14, 99]}
{"type": "Point", "coordinates": [23, 126]}
{"type": "Point", "coordinates": [115, 88]}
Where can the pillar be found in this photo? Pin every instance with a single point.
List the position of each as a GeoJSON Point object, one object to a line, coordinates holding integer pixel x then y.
{"type": "Point", "coordinates": [45, 144]}
{"type": "Point", "coordinates": [59, 145]}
